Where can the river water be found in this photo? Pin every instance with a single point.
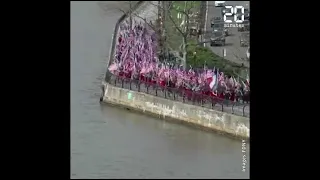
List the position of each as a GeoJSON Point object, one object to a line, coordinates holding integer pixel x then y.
{"type": "Point", "coordinates": [108, 142]}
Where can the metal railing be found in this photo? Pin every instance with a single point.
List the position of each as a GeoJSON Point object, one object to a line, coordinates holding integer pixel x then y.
{"type": "Point", "coordinates": [179, 94]}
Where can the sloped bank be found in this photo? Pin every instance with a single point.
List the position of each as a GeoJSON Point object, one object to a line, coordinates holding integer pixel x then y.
{"type": "Point", "coordinates": [197, 116]}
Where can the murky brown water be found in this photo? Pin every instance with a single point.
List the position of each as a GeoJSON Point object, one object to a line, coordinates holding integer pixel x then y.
{"type": "Point", "coordinates": [108, 142]}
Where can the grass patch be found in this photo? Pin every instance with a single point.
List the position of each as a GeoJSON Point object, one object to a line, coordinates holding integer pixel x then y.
{"type": "Point", "coordinates": [205, 56]}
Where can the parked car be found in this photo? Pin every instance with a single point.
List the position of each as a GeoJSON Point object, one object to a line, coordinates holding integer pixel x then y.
{"type": "Point", "coordinates": [216, 20]}
{"type": "Point", "coordinates": [246, 14]}
{"type": "Point", "coordinates": [227, 32]}
{"type": "Point", "coordinates": [245, 26]}
{"type": "Point", "coordinates": [245, 39]}
{"type": "Point", "coordinates": [219, 3]}
{"type": "Point", "coordinates": [218, 26]}
{"type": "Point", "coordinates": [248, 53]}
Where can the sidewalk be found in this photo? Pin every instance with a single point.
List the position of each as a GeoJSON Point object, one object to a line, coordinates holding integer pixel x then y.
{"type": "Point", "coordinates": [148, 10]}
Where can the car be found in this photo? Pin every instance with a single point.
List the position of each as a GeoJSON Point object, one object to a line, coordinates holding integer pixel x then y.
{"type": "Point", "coordinates": [219, 3]}
{"type": "Point", "coordinates": [248, 53]}
{"type": "Point", "coordinates": [216, 20]}
{"type": "Point", "coordinates": [217, 38]}
{"type": "Point", "coordinates": [246, 14]}
{"type": "Point", "coordinates": [244, 26]}
{"type": "Point", "coordinates": [227, 32]}
{"type": "Point", "coordinates": [218, 26]}
{"type": "Point", "coordinates": [245, 39]}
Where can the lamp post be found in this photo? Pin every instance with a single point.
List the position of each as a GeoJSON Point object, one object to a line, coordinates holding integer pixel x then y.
{"type": "Point", "coordinates": [194, 58]}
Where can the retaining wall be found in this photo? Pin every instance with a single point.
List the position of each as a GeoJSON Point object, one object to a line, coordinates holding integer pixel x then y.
{"type": "Point", "coordinates": [198, 116]}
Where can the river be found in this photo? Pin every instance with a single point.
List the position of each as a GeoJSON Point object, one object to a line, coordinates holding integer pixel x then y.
{"type": "Point", "coordinates": [108, 142]}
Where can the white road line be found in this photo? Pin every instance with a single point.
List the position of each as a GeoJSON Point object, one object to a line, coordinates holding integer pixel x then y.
{"type": "Point", "coordinates": [205, 24]}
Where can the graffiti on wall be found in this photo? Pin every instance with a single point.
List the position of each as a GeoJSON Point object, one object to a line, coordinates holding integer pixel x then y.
{"type": "Point", "coordinates": [243, 129]}
{"type": "Point", "coordinates": [165, 110]}
{"type": "Point", "coordinates": [211, 118]}
{"type": "Point", "coordinates": [129, 95]}
{"type": "Point", "coordinates": [208, 118]}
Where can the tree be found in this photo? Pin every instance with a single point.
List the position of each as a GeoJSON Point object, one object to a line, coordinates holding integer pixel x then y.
{"type": "Point", "coordinates": [188, 48]}
{"type": "Point", "coordinates": [183, 29]}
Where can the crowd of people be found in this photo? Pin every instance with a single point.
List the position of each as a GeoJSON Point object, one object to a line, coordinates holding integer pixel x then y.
{"type": "Point", "coordinates": [136, 58]}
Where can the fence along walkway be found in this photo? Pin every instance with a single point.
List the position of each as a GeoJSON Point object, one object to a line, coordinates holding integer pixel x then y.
{"type": "Point", "coordinates": [194, 98]}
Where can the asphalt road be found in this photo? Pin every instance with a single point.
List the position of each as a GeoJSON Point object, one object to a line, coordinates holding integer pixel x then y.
{"type": "Point", "coordinates": [233, 50]}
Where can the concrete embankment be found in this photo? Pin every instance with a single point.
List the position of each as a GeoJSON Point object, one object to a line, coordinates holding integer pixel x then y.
{"type": "Point", "coordinates": [197, 116]}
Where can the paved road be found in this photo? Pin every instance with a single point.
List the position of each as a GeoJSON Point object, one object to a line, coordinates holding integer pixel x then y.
{"type": "Point", "coordinates": [109, 142]}
{"type": "Point", "coordinates": [232, 42]}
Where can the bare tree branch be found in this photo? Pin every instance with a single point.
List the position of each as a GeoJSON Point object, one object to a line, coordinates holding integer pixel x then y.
{"type": "Point", "coordinates": [124, 12]}
{"type": "Point", "coordinates": [171, 18]}
{"type": "Point", "coordinates": [175, 25]}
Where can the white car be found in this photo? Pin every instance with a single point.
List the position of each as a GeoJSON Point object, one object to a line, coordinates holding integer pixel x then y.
{"type": "Point", "coordinates": [248, 53]}
{"type": "Point", "coordinates": [219, 3]}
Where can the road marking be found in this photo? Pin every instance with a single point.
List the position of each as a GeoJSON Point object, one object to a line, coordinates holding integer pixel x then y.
{"type": "Point", "coordinates": [205, 24]}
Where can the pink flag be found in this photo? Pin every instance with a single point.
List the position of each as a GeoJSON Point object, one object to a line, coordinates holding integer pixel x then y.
{"type": "Point", "coordinates": [213, 82]}
{"type": "Point", "coordinates": [113, 67]}
{"type": "Point", "coordinates": [221, 77]}
{"type": "Point", "coordinates": [247, 79]}
{"type": "Point", "coordinates": [209, 74]}
{"type": "Point", "coordinates": [217, 80]}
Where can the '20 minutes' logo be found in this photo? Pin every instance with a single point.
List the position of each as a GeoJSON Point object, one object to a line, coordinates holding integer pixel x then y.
{"type": "Point", "coordinates": [233, 12]}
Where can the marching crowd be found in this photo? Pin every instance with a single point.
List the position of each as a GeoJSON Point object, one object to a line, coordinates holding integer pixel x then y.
{"type": "Point", "coordinates": [135, 58]}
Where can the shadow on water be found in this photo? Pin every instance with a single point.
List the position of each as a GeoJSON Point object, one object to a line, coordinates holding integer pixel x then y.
{"type": "Point", "coordinates": [185, 144]}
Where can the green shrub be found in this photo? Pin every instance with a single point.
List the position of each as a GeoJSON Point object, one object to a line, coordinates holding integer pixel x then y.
{"type": "Point", "coordinates": [206, 56]}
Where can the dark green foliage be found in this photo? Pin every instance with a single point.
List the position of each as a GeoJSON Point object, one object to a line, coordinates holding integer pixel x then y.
{"type": "Point", "coordinates": [206, 56]}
